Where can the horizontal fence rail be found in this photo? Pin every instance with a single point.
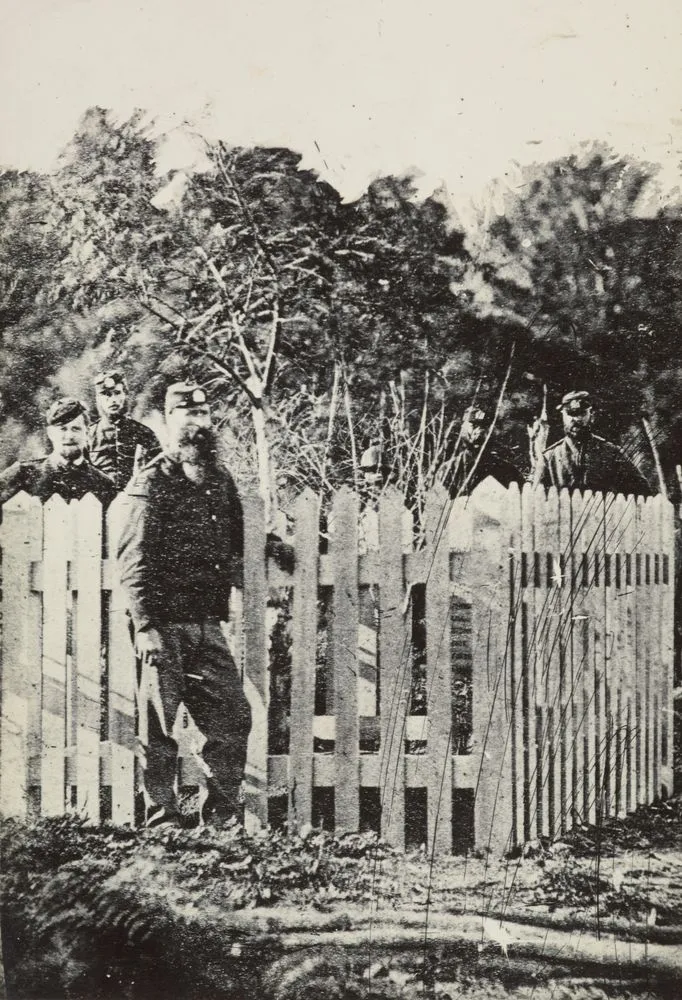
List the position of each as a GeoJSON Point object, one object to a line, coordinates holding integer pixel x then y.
{"type": "Point", "coordinates": [507, 678]}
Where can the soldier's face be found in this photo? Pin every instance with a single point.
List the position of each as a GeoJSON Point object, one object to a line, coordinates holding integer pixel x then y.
{"type": "Point", "coordinates": [190, 426]}
{"type": "Point", "coordinates": [68, 440]}
{"type": "Point", "coordinates": [577, 422]}
{"type": "Point", "coordinates": [112, 403]}
{"type": "Point", "coordinates": [473, 430]}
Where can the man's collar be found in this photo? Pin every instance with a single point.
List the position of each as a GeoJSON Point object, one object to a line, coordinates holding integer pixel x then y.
{"type": "Point", "coordinates": [59, 463]}
{"type": "Point", "coordinates": [107, 422]}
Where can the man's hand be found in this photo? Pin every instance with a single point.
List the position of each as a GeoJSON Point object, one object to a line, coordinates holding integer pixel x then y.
{"type": "Point", "coordinates": [149, 647]}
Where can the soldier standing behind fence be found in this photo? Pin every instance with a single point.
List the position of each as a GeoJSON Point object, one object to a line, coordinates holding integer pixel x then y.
{"type": "Point", "coordinates": [583, 460]}
{"type": "Point", "coordinates": [180, 552]}
{"type": "Point", "coordinates": [475, 460]}
{"type": "Point", "coordinates": [115, 439]}
{"type": "Point", "coordinates": [65, 471]}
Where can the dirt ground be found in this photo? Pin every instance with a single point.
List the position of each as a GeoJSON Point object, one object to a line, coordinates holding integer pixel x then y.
{"type": "Point", "coordinates": [596, 915]}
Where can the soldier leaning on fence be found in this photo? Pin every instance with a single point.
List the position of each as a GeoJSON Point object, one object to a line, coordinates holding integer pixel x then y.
{"type": "Point", "coordinates": [475, 460]}
{"type": "Point", "coordinates": [114, 439]}
{"type": "Point", "coordinates": [583, 460]}
{"type": "Point", "coordinates": [180, 552]}
{"type": "Point", "coordinates": [65, 471]}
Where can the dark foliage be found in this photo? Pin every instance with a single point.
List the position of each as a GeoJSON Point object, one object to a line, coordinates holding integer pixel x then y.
{"type": "Point", "coordinates": [111, 912]}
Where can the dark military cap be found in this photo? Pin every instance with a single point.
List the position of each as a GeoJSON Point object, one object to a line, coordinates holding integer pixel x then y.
{"type": "Point", "coordinates": [575, 402]}
{"type": "Point", "coordinates": [106, 381]}
{"type": "Point", "coordinates": [64, 410]}
{"type": "Point", "coordinates": [183, 395]}
{"type": "Point", "coordinates": [474, 415]}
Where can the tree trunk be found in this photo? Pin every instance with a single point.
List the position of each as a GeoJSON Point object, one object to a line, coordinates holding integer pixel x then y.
{"type": "Point", "coordinates": [265, 479]}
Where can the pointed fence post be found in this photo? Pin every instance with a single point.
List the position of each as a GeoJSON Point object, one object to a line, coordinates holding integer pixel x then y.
{"type": "Point", "coordinates": [563, 742]}
{"type": "Point", "coordinates": [344, 556]}
{"type": "Point", "coordinates": [121, 682]}
{"type": "Point", "coordinates": [649, 544]}
{"type": "Point", "coordinates": [396, 668]}
{"type": "Point", "coordinates": [592, 515]}
{"type": "Point", "coordinates": [516, 660]}
{"type": "Point", "coordinates": [20, 677]}
{"type": "Point", "coordinates": [629, 664]}
{"type": "Point", "coordinates": [667, 645]}
{"type": "Point", "coordinates": [493, 805]}
{"type": "Point", "coordinates": [56, 545]}
{"type": "Point", "coordinates": [438, 673]}
{"type": "Point", "coordinates": [255, 658]}
{"type": "Point", "coordinates": [303, 655]}
{"type": "Point", "coordinates": [529, 660]}
{"type": "Point", "coordinates": [87, 520]}
{"type": "Point", "coordinates": [616, 607]}
{"type": "Point", "coordinates": [578, 657]}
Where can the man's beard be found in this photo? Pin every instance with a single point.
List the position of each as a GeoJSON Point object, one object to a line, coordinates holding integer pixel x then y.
{"type": "Point", "coordinates": [69, 453]}
{"type": "Point", "coordinates": [579, 434]}
{"type": "Point", "coordinates": [197, 446]}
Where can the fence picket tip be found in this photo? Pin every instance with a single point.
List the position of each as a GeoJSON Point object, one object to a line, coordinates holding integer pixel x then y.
{"type": "Point", "coordinates": [19, 502]}
{"type": "Point", "coordinates": [308, 494]}
{"type": "Point", "coordinates": [55, 503]}
{"type": "Point", "coordinates": [89, 500]}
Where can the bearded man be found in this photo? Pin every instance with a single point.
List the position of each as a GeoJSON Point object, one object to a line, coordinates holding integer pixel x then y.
{"type": "Point", "coordinates": [584, 461]}
{"type": "Point", "coordinates": [65, 471]}
{"type": "Point", "coordinates": [180, 551]}
{"type": "Point", "coordinates": [475, 461]}
{"type": "Point", "coordinates": [115, 439]}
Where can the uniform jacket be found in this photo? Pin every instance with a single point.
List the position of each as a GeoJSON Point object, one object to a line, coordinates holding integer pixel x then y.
{"type": "Point", "coordinates": [181, 545]}
{"type": "Point", "coordinates": [43, 477]}
{"type": "Point", "coordinates": [111, 447]}
{"type": "Point", "coordinates": [598, 465]}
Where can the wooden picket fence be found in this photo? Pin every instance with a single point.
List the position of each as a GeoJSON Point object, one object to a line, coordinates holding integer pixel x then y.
{"type": "Point", "coordinates": [554, 612]}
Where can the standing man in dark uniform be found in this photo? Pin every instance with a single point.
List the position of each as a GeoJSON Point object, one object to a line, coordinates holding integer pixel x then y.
{"type": "Point", "coordinates": [471, 465]}
{"type": "Point", "coordinates": [584, 461]}
{"type": "Point", "coordinates": [114, 438]}
{"type": "Point", "coordinates": [65, 471]}
{"type": "Point", "coordinates": [180, 552]}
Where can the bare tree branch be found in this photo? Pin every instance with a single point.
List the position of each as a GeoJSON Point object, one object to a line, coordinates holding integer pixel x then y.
{"type": "Point", "coordinates": [275, 329]}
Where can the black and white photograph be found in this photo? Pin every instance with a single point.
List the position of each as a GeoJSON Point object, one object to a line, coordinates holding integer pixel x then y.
{"type": "Point", "coordinates": [340, 499]}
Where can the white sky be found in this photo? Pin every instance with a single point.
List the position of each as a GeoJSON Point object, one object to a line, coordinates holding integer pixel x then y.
{"type": "Point", "coordinates": [458, 90]}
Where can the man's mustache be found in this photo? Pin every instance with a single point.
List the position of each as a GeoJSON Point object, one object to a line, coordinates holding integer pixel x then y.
{"type": "Point", "coordinates": [202, 438]}
{"type": "Point", "coordinates": [197, 434]}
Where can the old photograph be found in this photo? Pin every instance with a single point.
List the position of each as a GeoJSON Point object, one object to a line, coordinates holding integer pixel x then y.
{"type": "Point", "coordinates": [340, 490]}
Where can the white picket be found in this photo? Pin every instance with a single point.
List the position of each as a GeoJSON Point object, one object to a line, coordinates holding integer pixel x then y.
{"type": "Point", "coordinates": [56, 546]}
{"type": "Point", "coordinates": [87, 526]}
{"type": "Point", "coordinates": [121, 685]}
{"type": "Point", "coordinates": [20, 724]}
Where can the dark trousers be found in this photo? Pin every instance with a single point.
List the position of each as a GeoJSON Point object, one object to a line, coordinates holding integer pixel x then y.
{"type": "Point", "coordinates": [198, 670]}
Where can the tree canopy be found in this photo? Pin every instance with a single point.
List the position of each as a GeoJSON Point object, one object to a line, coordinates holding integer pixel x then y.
{"type": "Point", "coordinates": [320, 325]}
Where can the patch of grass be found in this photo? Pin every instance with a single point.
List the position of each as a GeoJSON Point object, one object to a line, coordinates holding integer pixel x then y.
{"type": "Point", "coordinates": [110, 912]}
{"type": "Point", "coordinates": [655, 826]}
